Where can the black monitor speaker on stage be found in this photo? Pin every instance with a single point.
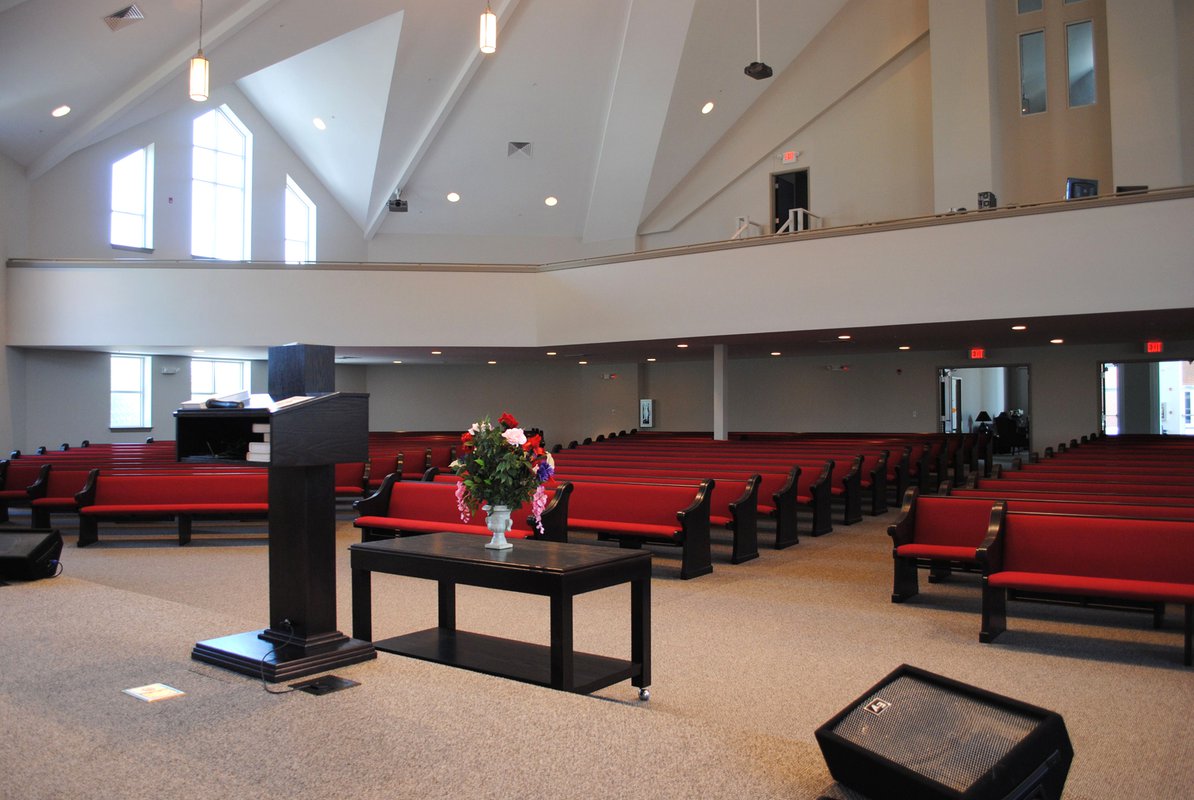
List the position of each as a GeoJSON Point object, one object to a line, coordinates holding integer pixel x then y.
{"type": "Point", "coordinates": [917, 734]}
{"type": "Point", "coordinates": [29, 554]}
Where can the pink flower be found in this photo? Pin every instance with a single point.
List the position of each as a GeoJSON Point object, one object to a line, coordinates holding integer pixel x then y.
{"type": "Point", "coordinates": [515, 436]}
{"type": "Point", "coordinates": [538, 504]}
{"type": "Point", "coordinates": [460, 502]}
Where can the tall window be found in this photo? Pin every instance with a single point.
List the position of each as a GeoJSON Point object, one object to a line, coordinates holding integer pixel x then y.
{"type": "Point", "coordinates": [131, 379]}
{"type": "Point", "coordinates": [1032, 72]}
{"type": "Point", "coordinates": [132, 200]}
{"type": "Point", "coordinates": [300, 224]}
{"type": "Point", "coordinates": [221, 170]}
{"type": "Point", "coordinates": [209, 376]}
{"type": "Point", "coordinates": [1079, 45]}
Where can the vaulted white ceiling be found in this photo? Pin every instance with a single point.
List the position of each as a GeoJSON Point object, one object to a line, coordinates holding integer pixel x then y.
{"type": "Point", "coordinates": [607, 92]}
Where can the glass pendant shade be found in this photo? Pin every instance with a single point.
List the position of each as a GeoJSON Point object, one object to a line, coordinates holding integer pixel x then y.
{"type": "Point", "coordinates": [199, 77]}
{"type": "Point", "coordinates": [488, 31]}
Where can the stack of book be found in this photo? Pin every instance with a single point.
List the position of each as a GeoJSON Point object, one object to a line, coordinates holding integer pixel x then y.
{"type": "Point", "coordinates": [259, 450]}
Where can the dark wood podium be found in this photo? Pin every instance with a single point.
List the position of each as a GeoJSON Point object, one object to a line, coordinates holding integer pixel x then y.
{"type": "Point", "coordinates": [309, 435]}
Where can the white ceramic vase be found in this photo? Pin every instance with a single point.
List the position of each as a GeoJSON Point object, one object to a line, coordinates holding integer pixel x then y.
{"type": "Point", "coordinates": [497, 519]}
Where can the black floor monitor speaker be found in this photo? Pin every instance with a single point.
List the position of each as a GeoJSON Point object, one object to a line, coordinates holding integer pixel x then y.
{"type": "Point", "coordinates": [29, 554]}
{"type": "Point", "coordinates": [917, 734]}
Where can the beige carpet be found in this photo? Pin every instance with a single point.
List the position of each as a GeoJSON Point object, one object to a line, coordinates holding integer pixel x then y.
{"type": "Point", "coordinates": [747, 663]}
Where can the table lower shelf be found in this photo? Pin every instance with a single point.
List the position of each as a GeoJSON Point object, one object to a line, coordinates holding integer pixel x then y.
{"type": "Point", "coordinates": [508, 658]}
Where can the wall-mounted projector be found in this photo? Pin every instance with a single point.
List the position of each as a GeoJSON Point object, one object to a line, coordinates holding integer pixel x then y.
{"type": "Point", "coordinates": [758, 70]}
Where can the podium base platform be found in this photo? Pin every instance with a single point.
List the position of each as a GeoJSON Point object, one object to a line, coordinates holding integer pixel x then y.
{"type": "Point", "coordinates": [250, 654]}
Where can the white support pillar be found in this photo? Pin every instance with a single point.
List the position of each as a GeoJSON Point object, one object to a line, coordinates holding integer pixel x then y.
{"type": "Point", "coordinates": [719, 392]}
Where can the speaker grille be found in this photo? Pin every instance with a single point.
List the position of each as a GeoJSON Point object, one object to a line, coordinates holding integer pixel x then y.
{"type": "Point", "coordinates": [940, 734]}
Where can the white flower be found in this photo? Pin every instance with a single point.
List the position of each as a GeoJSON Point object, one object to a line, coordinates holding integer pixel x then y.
{"type": "Point", "coordinates": [515, 436]}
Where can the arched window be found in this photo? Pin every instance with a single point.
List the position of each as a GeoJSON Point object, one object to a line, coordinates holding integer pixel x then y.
{"type": "Point", "coordinates": [221, 186]}
{"type": "Point", "coordinates": [300, 225]}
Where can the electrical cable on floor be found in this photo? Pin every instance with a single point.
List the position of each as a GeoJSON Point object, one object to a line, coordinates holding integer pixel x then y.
{"type": "Point", "coordinates": [273, 651]}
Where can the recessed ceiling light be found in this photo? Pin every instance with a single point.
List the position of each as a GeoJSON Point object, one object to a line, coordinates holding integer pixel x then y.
{"type": "Point", "coordinates": [552, 352]}
{"type": "Point", "coordinates": [61, 111]}
{"type": "Point", "coordinates": [437, 352]}
{"type": "Point", "coordinates": [490, 362]}
{"type": "Point", "coordinates": [652, 359]}
{"type": "Point", "coordinates": [550, 201]}
{"type": "Point", "coordinates": [198, 351]}
{"type": "Point", "coordinates": [1057, 341]}
{"type": "Point", "coordinates": [776, 353]}
{"type": "Point", "coordinates": [453, 197]}
{"type": "Point", "coordinates": [582, 362]}
{"type": "Point", "coordinates": [705, 109]}
{"type": "Point", "coordinates": [681, 346]}
{"type": "Point", "coordinates": [905, 347]}
{"type": "Point", "coordinates": [845, 337]}
{"type": "Point", "coordinates": [319, 124]}
{"type": "Point", "coordinates": [397, 362]}
{"type": "Point", "coordinates": [1019, 327]}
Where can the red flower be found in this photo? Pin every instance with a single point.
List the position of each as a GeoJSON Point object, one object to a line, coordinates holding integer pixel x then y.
{"type": "Point", "coordinates": [508, 421]}
{"type": "Point", "coordinates": [532, 444]}
{"type": "Point", "coordinates": [466, 440]}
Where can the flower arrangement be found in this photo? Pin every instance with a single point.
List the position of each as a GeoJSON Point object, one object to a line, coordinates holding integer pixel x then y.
{"type": "Point", "coordinates": [501, 466]}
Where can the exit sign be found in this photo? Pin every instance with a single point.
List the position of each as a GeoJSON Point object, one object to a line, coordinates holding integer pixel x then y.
{"type": "Point", "coordinates": [789, 156]}
{"type": "Point", "coordinates": [977, 353]}
{"type": "Point", "coordinates": [1154, 347]}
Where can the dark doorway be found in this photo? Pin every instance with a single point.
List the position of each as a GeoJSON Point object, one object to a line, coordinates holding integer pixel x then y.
{"type": "Point", "coordinates": [789, 190]}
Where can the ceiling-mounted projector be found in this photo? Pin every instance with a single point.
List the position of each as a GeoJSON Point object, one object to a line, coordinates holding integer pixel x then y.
{"type": "Point", "coordinates": [396, 204]}
{"type": "Point", "coordinates": [758, 70]}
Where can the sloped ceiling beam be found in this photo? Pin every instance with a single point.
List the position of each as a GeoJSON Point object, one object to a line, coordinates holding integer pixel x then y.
{"type": "Point", "coordinates": [646, 74]}
{"type": "Point", "coordinates": [85, 133]}
{"type": "Point", "coordinates": [348, 82]}
{"type": "Point", "coordinates": [856, 43]}
{"type": "Point", "coordinates": [398, 163]}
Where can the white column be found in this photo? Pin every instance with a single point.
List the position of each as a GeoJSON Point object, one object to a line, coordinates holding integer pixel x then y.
{"type": "Point", "coordinates": [1145, 127]}
{"type": "Point", "coordinates": [962, 142]}
{"type": "Point", "coordinates": [719, 392]}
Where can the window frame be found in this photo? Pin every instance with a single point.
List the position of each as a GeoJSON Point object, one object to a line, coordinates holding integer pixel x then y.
{"type": "Point", "coordinates": [294, 193]}
{"type": "Point", "coordinates": [144, 392]}
{"type": "Point", "coordinates": [1094, 71]}
{"type": "Point", "coordinates": [146, 195]}
{"type": "Point", "coordinates": [219, 159]}
{"type": "Point", "coordinates": [245, 382]}
{"type": "Point", "coordinates": [1020, 37]}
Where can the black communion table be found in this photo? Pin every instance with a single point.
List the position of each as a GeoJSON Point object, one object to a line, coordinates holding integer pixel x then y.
{"type": "Point", "coordinates": [555, 570]}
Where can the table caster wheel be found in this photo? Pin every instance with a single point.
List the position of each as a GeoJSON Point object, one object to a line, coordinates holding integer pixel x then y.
{"type": "Point", "coordinates": [644, 694]}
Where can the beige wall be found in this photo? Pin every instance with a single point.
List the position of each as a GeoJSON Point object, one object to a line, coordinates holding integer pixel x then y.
{"type": "Point", "coordinates": [1145, 112]}
{"type": "Point", "coordinates": [14, 220]}
{"type": "Point", "coordinates": [1184, 31]}
{"type": "Point", "coordinates": [66, 393]}
{"type": "Point", "coordinates": [1039, 151]}
{"type": "Point", "coordinates": [963, 99]}
{"type": "Point", "coordinates": [856, 104]}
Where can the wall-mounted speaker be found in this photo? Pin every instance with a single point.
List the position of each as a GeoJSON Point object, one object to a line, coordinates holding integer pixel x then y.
{"type": "Point", "coordinates": [29, 554]}
{"type": "Point", "coordinates": [917, 734]}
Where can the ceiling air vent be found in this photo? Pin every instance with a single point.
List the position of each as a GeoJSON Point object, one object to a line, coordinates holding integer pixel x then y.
{"type": "Point", "coordinates": [124, 17]}
{"type": "Point", "coordinates": [518, 149]}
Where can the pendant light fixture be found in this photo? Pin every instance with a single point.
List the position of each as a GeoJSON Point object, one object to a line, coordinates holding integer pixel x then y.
{"type": "Point", "coordinates": [200, 67]}
{"type": "Point", "coordinates": [488, 30]}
